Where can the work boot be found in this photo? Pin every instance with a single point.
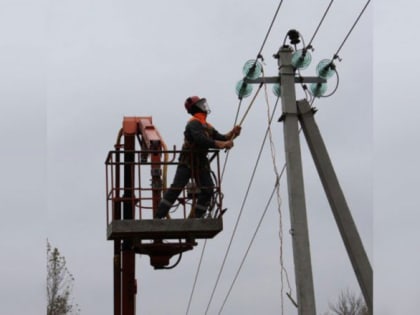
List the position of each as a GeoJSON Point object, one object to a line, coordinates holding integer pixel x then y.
{"type": "Point", "coordinates": [200, 211]}
{"type": "Point", "coordinates": [163, 209]}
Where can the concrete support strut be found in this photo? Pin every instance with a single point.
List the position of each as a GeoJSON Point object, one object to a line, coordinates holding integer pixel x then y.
{"type": "Point", "coordinates": [339, 207]}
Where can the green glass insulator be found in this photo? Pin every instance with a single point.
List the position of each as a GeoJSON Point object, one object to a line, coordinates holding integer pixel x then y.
{"type": "Point", "coordinates": [252, 69]}
{"type": "Point", "coordinates": [277, 90]}
{"type": "Point", "coordinates": [318, 89]}
{"type": "Point", "coordinates": [325, 68]}
{"type": "Point", "coordinates": [243, 89]}
{"type": "Point", "coordinates": [301, 59]}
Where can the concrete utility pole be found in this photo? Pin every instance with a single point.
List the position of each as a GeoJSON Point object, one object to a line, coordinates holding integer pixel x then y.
{"type": "Point", "coordinates": [300, 112]}
{"type": "Point", "coordinates": [297, 206]}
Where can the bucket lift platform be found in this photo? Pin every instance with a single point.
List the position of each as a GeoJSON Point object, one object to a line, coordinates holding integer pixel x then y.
{"type": "Point", "coordinates": [164, 229]}
{"type": "Point", "coordinates": [136, 177]}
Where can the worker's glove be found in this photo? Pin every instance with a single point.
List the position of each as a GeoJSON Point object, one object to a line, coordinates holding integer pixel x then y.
{"type": "Point", "coordinates": [236, 131]}
{"type": "Point", "coordinates": [228, 144]}
{"type": "Point", "coordinates": [224, 144]}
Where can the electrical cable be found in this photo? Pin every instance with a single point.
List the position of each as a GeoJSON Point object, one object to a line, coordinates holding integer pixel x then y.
{"type": "Point", "coordinates": [336, 86]}
{"type": "Point", "coordinates": [276, 186]}
{"type": "Point", "coordinates": [196, 277]}
{"type": "Point", "coordinates": [319, 25]}
{"type": "Point", "coordinates": [335, 57]}
{"type": "Point", "coordinates": [205, 242]}
{"type": "Point", "coordinates": [258, 56]}
{"type": "Point", "coordinates": [269, 29]}
{"type": "Point", "coordinates": [240, 211]}
{"type": "Point", "coordinates": [304, 87]}
{"type": "Point", "coordinates": [351, 29]}
{"type": "Point", "coordinates": [252, 241]}
{"type": "Point", "coordinates": [176, 263]}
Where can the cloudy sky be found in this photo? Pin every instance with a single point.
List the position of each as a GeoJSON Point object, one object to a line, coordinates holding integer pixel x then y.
{"type": "Point", "coordinates": [71, 70]}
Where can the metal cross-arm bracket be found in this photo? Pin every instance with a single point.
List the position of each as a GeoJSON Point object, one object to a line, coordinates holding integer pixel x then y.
{"type": "Point", "coordinates": [277, 80]}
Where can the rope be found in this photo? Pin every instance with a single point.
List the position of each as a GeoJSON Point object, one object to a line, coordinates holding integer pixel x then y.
{"type": "Point", "coordinates": [278, 197]}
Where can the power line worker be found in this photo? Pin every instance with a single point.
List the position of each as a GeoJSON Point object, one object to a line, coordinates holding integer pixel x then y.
{"type": "Point", "coordinates": [199, 137]}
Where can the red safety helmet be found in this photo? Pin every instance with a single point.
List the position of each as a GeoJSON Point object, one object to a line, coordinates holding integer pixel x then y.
{"type": "Point", "coordinates": [190, 102]}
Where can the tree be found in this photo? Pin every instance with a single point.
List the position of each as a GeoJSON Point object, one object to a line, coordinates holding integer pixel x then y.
{"type": "Point", "coordinates": [348, 304]}
{"type": "Point", "coordinates": [59, 285]}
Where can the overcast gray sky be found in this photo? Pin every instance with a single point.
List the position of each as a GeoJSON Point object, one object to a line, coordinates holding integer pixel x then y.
{"type": "Point", "coordinates": [71, 70]}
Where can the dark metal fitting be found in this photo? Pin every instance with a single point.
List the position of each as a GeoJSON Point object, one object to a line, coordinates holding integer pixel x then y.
{"type": "Point", "coordinates": [294, 36]}
{"type": "Point", "coordinates": [157, 184]}
{"type": "Point", "coordinates": [281, 118]}
{"type": "Point", "coordinates": [156, 172]}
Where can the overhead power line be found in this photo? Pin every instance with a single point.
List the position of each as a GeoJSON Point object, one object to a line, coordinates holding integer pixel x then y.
{"type": "Point", "coordinates": [275, 190]}
{"type": "Point", "coordinates": [196, 277]}
{"type": "Point", "coordinates": [227, 155]}
{"type": "Point", "coordinates": [330, 66]}
{"type": "Point", "coordinates": [258, 55]}
{"type": "Point", "coordinates": [320, 23]}
{"type": "Point", "coordinates": [259, 156]}
{"type": "Point", "coordinates": [251, 242]}
{"type": "Point", "coordinates": [241, 210]}
{"type": "Point", "coordinates": [269, 29]}
{"type": "Point", "coordinates": [351, 30]}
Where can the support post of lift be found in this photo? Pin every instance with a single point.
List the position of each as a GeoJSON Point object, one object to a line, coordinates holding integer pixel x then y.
{"type": "Point", "coordinates": [116, 215]}
{"type": "Point", "coordinates": [336, 199]}
{"type": "Point", "coordinates": [297, 206]}
{"type": "Point", "coordinates": [117, 277]}
{"type": "Point", "coordinates": [128, 254]}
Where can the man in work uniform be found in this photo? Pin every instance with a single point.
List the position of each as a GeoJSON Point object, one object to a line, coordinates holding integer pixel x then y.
{"type": "Point", "coordinates": [193, 162]}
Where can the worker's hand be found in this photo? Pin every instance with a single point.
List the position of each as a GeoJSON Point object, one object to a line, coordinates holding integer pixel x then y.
{"type": "Point", "coordinates": [224, 144]}
{"type": "Point", "coordinates": [236, 131]}
{"type": "Point", "coordinates": [228, 144]}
